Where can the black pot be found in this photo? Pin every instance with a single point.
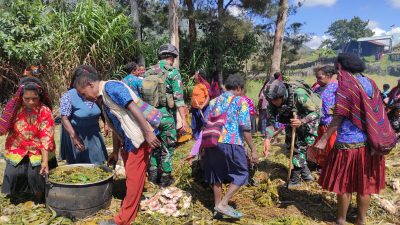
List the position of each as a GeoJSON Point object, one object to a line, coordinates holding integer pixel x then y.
{"type": "Point", "coordinates": [77, 201]}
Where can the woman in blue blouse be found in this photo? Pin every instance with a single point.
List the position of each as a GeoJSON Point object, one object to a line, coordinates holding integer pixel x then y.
{"type": "Point", "coordinates": [81, 139]}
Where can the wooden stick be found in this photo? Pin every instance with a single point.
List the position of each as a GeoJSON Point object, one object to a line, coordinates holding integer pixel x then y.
{"type": "Point", "coordinates": [291, 150]}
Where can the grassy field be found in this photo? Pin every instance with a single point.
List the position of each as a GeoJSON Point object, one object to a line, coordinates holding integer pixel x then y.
{"type": "Point", "coordinates": [269, 203]}
{"type": "Point", "coordinates": [253, 86]}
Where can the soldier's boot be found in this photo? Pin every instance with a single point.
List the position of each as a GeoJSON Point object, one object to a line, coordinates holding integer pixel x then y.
{"type": "Point", "coordinates": [295, 178]}
{"type": "Point", "coordinates": [166, 180]}
{"type": "Point", "coordinates": [306, 174]}
{"type": "Point", "coordinates": [153, 176]}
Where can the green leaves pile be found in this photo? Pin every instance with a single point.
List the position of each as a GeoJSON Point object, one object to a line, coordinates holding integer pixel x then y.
{"type": "Point", "coordinates": [78, 175]}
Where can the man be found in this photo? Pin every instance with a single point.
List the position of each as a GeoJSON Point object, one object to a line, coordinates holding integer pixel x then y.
{"type": "Point", "coordinates": [118, 99]}
{"type": "Point", "coordinates": [133, 79]}
{"type": "Point", "coordinates": [170, 103]}
{"type": "Point", "coordinates": [284, 99]}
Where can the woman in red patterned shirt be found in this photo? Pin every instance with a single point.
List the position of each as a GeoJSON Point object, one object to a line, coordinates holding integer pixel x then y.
{"type": "Point", "coordinates": [30, 138]}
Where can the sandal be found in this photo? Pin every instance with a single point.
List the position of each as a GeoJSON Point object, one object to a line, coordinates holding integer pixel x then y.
{"type": "Point", "coordinates": [231, 212]}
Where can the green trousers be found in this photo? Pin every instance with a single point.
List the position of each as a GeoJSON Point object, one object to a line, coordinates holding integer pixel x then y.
{"type": "Point", "coordinates": [161, 158]}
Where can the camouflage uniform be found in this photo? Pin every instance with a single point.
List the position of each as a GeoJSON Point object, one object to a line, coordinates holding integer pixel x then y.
{"type": "Point", "coordinates": [309, 114]}
{"type": "Point", "coordinates": [162, 157]}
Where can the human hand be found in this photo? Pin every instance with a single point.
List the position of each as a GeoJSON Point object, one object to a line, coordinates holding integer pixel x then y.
{"type": "Point", "coordinates": [78, 143]}
{"type": "Point", "coordinates": [267, 144]}
{"type": "Point", "coordinates": [295, 123]}
{"type": "Point", "coordinates": [321, 144]}
{"type": "Point", "coordinates": [113, 158]}
{"type": "Point", "coordinates": [254, 156]}
{"type": "Point", "coordinates": [152, 139]}
{"type": "Point", "coordinates": [106, 129]}
{"type": "Point", "coordinates": [44, 168]}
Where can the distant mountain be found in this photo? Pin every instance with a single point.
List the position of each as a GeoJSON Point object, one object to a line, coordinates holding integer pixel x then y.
{"type": "Point", "coordinates": [305, 50]}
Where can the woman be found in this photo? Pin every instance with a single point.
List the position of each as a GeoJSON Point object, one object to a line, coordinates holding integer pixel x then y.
{"type": "Point", "coordinates": [200, 100]}
{"type": "Point", "coordinates": [30, 128]}
{"type": "Point", "coordinates": [227, 162]}
{"type": "Point", "coordinates": [350, 166]}
{"type": "Point", "coordinates": [81, 139]}
{"type": "Point", "coordinates": [327, 90]}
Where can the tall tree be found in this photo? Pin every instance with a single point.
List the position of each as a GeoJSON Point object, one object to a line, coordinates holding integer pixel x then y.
{"type": "Point", "coordinates": [173, 21]}
{"type": "Point", "coordinates": [279, 35]}
{"type": "Point", "coordinates": [192, 25]}
{"type": "Point", "coordinates": [136, 24]}
{"type": "Point", "coordinates": [343, 31]}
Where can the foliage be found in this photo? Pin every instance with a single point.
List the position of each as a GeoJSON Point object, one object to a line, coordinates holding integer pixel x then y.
{"type": "Point", "coordinates": [25, 33]}
{"type": "Point", "coordinates": [92, 33]}
{"type": "Point", "coordinates": [344, 30]}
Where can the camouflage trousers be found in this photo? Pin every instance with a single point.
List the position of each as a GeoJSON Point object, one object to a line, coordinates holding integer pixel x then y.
{"type": "Point", "coordinates": [302, 141]}
{"type": "Point", "coordinates": [161, 158]}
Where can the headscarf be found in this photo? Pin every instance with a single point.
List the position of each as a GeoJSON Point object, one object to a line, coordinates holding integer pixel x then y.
{"type": "Point", "coordinates": [12, 106]}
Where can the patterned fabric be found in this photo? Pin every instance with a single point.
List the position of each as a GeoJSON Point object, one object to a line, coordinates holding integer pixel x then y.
{"type": "Point", "coordinates": [250, 103]}
{"type": "Point", "coordinates": [10, 109]}
{"type": "Point", "coordinates": [199, 95]}
{"type": "Point", "coordinates": [348, 132]}
{"type": "Point", "coordinates": [134, 82]}
{"type": "Point", "coordinates": [66, 104]}
{"type": "Point", "coordinates": [238, 117]}
{"type": "Point", "coordinates": [359, 101]}
{"type": "Point", "coordinates": [161, 158]}
{"type": "Point", "coordinates": [305, 111]}
{"type": "Point", "coordinates": [33, 132]}
{"type": "Point", "coordinates": [120, 95]}
{"type": "Point", "coordinates": [328, 96]}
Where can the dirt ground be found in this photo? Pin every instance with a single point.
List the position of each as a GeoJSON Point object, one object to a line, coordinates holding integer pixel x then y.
{"type": "Point", "coordinates": [268, 203]}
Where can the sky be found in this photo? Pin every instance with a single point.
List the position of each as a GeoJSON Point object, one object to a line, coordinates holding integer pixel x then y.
{"type": "Point", "coordinates": [319, 14]}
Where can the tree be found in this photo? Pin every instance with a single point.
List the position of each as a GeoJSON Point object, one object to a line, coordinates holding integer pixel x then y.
{"type": "Point", "coordinates": [192, 25]}
{"type": "Point", "coordinates": [173, 21]}
{"type": "Point", "coordinates": [136, 24]}
{"type": "Point", "coordinates": [279, 34]}
{"type": "Point", "coordinates": [343, 31]}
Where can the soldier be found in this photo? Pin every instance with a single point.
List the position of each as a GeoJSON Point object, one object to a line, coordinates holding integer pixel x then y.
{"type": "Point", "coordinates": [162, 88]}
{"type": "Point", "coordinates": [284, 99]}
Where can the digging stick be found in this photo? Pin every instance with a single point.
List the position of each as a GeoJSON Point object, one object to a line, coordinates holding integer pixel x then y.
{"type": "Point", "coordinates": [291, 150]}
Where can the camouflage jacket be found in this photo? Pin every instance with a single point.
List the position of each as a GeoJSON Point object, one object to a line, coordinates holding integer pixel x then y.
{"type": "Point", "coordinates": [306, 110]}
{"type": "Point", "coordinates": [173, 81]}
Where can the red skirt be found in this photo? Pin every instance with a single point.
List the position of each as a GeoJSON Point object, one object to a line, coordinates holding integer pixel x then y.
{"type": "Point", "coordinates": [353, 170]}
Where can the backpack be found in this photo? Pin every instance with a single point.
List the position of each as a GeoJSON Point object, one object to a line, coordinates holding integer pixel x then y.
{"type": "Point", "coordinates": [154, 89]}
{"type": "Point", "coordinates": [314, 97]}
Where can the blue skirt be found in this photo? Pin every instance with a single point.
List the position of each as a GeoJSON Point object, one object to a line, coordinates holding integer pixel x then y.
{"type": "Point", "coordinates": [226, 163]}
{"type": "Point", "coordinates": [94, 153]}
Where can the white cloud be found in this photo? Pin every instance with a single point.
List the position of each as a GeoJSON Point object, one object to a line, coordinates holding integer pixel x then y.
{"type": "Point", "coordinates": [316, 41]}
{"type": "Point", "coordinates": [373, 24]}
{"type": "Point", "coordinates": [395, 3]}
{"type": "Point", "coordinates": [235, 11]}
{"type": "Point", "coordinates": [311, 3]}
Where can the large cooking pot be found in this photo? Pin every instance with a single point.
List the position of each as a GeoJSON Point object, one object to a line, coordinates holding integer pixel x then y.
{"type": "Point", "coordinates": [79, 200]}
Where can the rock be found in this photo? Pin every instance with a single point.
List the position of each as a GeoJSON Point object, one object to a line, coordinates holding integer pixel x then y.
{"type": "Point", "coordinates": [387, 205]}
{"type": "Point", "coordinates": [4, 219]}
{"type": "Point", "coordinates": [395, 184]}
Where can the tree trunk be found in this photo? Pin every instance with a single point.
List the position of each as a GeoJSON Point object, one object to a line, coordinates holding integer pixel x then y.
{"type": "Point", "coordinates": [276, 56]}
{"type": "Point", "coordinates": [136, 24]}
{"type": "Point", "coordinates": [173, 21]}
{"type": "Point", "coordinates": [219, 63]}
{"type": "Point", "coordinates": [192, 26]}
